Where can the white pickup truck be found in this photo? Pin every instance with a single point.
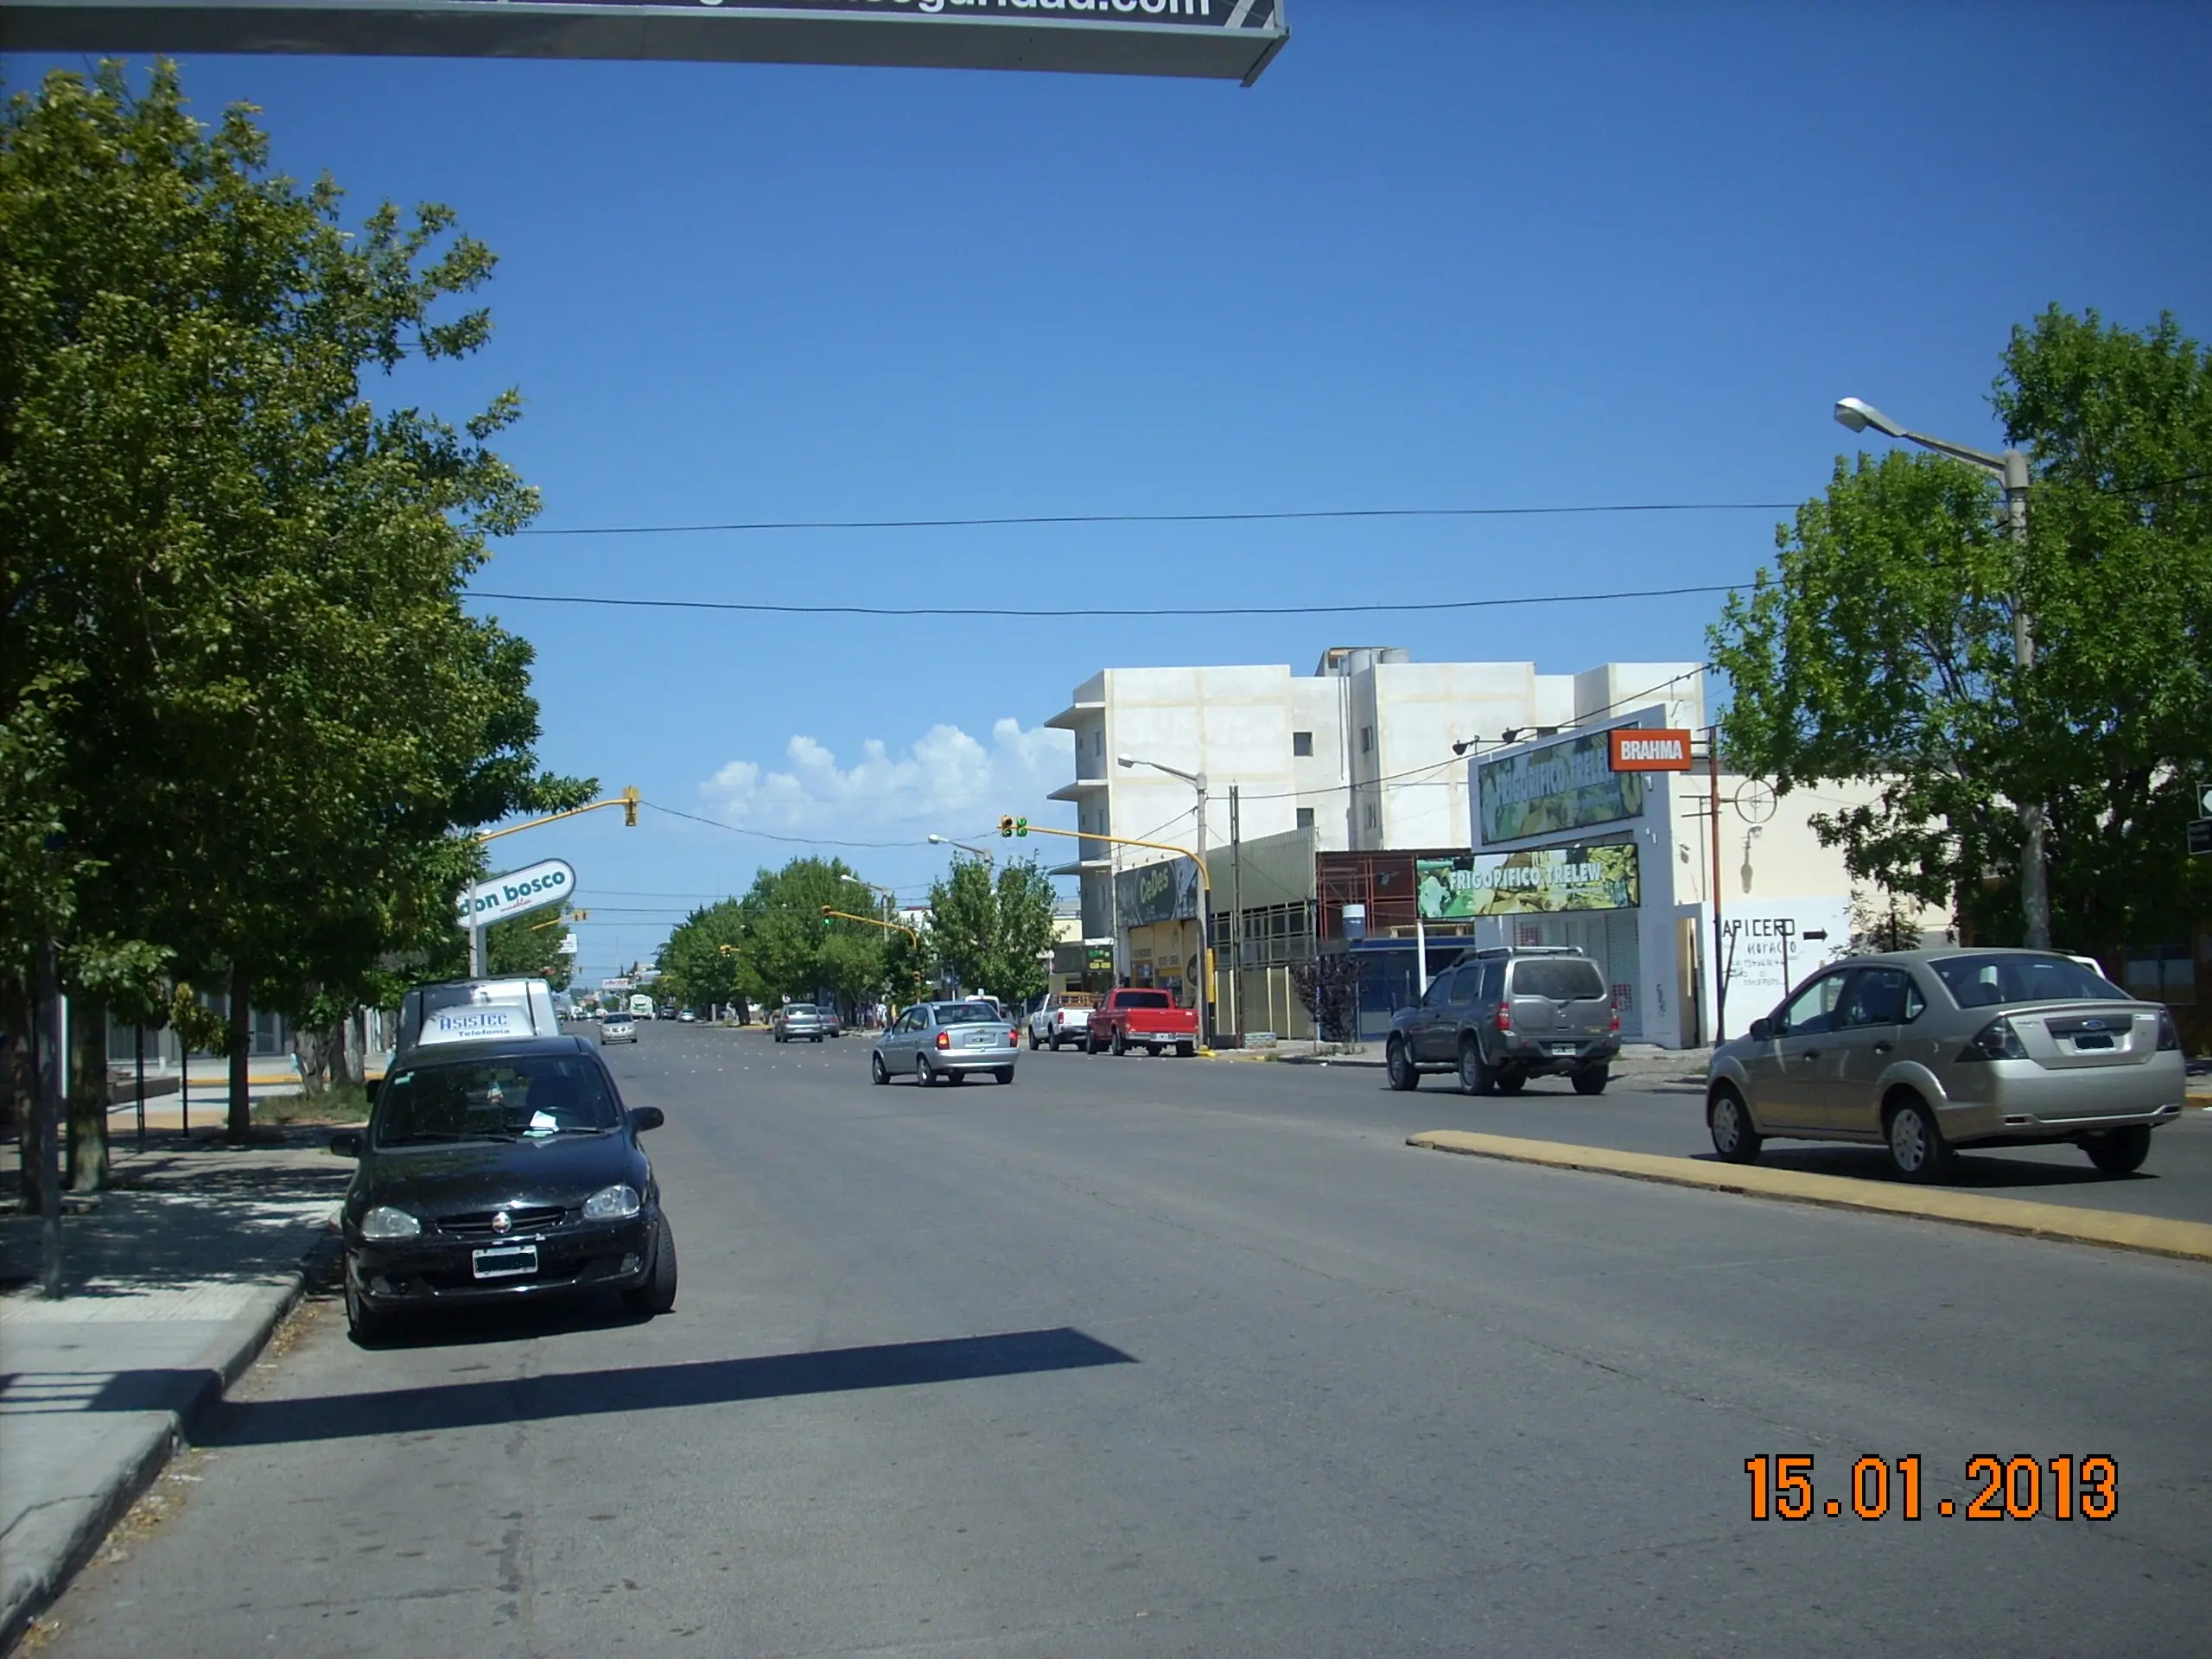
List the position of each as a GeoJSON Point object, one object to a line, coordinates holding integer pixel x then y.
{"type": "Point", "coordinates": [1064, 1018]}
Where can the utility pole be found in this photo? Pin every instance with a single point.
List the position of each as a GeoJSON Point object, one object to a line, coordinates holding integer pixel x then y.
{"type": "Point", "coordinates": [1236, 913]}
{"type": "Point", "coordinates": [52, 1086]}
{"type": "Point", "coordinates": [1713, 826]}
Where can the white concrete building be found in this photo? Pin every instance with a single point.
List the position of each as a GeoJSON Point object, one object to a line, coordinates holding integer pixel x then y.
{"type": "Point", "coordinates": [1361, 750]}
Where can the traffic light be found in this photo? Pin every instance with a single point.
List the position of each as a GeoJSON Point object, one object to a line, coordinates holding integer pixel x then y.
{"type": "Point", "coordinates": [1021, 826]}
{"type": "Point", "coordinates": [630, 806]}
{"type": "Point", "coordinates": [825, 918]}
{"type": "Point", "coordinates": [1006, 826]}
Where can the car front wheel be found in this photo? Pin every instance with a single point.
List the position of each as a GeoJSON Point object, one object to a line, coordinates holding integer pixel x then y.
{"type": "Point", "coordinates": [657, 1294]}
{"type": "Point", "coordinates": [1400, 1065]}
{"type": "Point", "coordinates": [364, 1323]}
{"type": "Point", "coordinates": [2119, 1152]}
{"type": "Point", "coordinates": [1916, 1148]}
{"type": "Point", "coordinates": [1729, 1121]}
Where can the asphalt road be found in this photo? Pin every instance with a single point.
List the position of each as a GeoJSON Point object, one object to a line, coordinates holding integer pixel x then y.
{"type": "Point", "coordinates": [1139, 1357]}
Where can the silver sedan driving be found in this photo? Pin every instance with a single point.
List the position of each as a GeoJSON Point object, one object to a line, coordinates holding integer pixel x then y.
{"type": "Point", "coordinates": [943, 1042]}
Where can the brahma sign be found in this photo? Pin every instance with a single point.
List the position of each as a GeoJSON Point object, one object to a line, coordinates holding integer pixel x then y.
{"type": "Point", "coordinates": [1649, 748]}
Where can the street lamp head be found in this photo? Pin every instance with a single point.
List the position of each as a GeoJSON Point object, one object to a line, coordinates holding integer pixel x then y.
{"type": "Point", "coordinates": [937, 841]}
{"type": "Point", "coordinates": [1857, 414]}
{"type": "Point", "coordinates": [1125, 760]}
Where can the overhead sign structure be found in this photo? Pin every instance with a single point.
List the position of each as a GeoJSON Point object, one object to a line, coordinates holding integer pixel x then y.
{"type": "Point", "coordinates": [1566, 785]}
{"type": "Point", "coordinates": [550, 882]}
{"type": "Point", "coordinates": [1644, 748]}
{"type": "Point", "coordinates": [2200, 836]}
{"type": "Point", "coordinates": [1542, 882]}
{"type": "Point", "coordinates": [1221, 39]}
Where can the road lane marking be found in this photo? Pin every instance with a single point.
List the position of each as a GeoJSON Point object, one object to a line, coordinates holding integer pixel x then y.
{"type": "Point", "coordinates": [2191, 1240]}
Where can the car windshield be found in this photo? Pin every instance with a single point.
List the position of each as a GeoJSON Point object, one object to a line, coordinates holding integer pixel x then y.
{"type": "Point", "coordinates": [966, 1014]}
{"type": "Point", "coordinates": [505, 1098]}
{"type": "Point", "coordinates": [1999, 979]}
{"type": "Point", "coordinates": [1145, 1000]}
{"type": "Point", "coordinates": [1570, 979]}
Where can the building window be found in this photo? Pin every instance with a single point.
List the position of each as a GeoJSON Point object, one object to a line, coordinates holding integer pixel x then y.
{"type": "Point", "coordinates": [1305, 817]}
{"type": "Point", "coordinates": [1098, 741]}
{"type": "Point", "coordinates": [1367, 739]}
{"type": "Point", "coordinates": [1301, 743]}
{"type": "Point", "coordinates": [1371, 816]}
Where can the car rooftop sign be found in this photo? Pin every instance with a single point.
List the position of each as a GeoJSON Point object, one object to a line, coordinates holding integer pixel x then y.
{"type": "Point", "coordinates": [1224, 40]}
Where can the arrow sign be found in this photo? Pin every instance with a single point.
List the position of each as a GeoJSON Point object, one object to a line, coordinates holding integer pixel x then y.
{"type": "Point", "coordinates": [551, 882]}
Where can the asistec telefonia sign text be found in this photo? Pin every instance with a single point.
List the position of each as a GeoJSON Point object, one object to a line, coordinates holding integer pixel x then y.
{"type": "Point", "coordinates": [1222, 39]}
{"type": "Point", "coordinates": [502, 896]}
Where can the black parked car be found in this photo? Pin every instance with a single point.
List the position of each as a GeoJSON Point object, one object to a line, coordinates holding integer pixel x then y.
{"type": "Point", "coordinates": [1501, 1016]}
{"type": "Point", "coordinates": [496, 1171]}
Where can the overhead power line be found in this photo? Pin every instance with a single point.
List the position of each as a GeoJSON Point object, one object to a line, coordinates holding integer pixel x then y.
{"type": "Point", "coordinates": [766, 834]}
{"type": "Point", "coordinates": [751, 526]}
{"type": "Point", "coordinates": [1101, 611]}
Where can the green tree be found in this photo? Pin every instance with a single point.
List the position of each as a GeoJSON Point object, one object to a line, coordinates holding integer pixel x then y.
{"type": "Point", "coordinates": [1881, 648]}
{"type": "Point", "coordinates": [246, 724]}
{"type": "Point", "coordinates": [995, 936]}
{"type": "Point", "coordinates": [705, 961]}
{"type": "Point", "coordinates": [792, 949]}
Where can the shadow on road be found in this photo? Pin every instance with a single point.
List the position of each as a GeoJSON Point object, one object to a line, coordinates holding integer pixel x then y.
{"type": "Point", "coordinates": [650, 1387]}
{"type": "Point", "coordinates": [1969, 1171]}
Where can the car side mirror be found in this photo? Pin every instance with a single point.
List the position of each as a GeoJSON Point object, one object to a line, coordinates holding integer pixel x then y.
{"type": "Point", "coordinates": [646, 1118]}
{"type": "Point", "coordinates": [1761, 1031]}
{"type": "Point", "coordinates": [346, 1144]}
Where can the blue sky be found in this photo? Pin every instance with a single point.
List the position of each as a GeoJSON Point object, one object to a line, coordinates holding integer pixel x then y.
{"type": "Point", "coordinates": [1444, 254]}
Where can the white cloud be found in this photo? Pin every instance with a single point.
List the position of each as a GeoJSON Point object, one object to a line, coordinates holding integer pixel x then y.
{"type": "Point", "coordinates": [945, 781]}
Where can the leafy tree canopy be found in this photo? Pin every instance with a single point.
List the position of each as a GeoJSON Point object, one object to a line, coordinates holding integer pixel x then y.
{"type": "Point", "coordinates": [995, 936]}
{"type": "Point", "coordinates": [1882, 647]}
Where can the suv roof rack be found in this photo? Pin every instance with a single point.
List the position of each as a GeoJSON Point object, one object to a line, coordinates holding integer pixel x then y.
{"type": "Point", "coordinates": [1521, 950]}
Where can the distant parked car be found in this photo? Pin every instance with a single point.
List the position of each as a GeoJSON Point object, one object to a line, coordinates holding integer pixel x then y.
{"type": "Point", "coordinates": [686, 1017]}
{"type": "Point", "coordinates": [1501, 1016]}
{"type": "Point", "coordinates": [1923, 1052]}
{"type": "Point", "coordinates": [616, 1026]}
{"type": "Point", "coordinates": [1064, 1017]}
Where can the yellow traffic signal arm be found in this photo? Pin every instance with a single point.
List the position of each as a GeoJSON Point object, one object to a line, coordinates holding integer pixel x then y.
{"type": "Point", "coordinates": [872, 921]}
{"type": "Point", "coordinates": [627, 800]}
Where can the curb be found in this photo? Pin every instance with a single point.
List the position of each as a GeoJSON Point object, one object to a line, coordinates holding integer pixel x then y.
{"type": "Point", "coordinates": [2190, 1241]}
{"type": "Point", "coordinates": [82, 1525]}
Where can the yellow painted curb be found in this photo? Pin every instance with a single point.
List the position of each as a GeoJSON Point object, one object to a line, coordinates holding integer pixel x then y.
{"type": "Point", "coordinates": [2191, 1240]}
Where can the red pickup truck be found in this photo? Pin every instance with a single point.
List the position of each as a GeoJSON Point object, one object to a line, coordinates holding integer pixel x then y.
{"type": "Point", "coordinates": [1146, 1020]}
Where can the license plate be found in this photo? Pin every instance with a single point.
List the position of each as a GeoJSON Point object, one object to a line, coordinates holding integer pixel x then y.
{"type": "Point", "coordinates": [2093, 1040]}
{"type": "Point", "coordinates": [505, 1262]}
{"type": "Point", "coordinates": [1567, 1048]}
{"type": "Point", "coordinates": [981, 1038]}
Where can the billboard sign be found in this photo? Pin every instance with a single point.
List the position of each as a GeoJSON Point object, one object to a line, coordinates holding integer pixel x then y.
{"type": "Point", "coordinates": [1644, 748]}
{"type": "Point", "coordinates": [1541, 882]}
{"type": "Point", "coordinates": [550, 882]}
{"type": "Point", "coordinates": [1222, 40]}
{"type": "Point", "coordinates": [620, 983]}
{"type": "Point", "coordinates": [1165, 892]}
{"type": "Point", "coordinates": [1561, 786]}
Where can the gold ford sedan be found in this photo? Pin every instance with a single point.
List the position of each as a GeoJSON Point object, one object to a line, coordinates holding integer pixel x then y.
{"type": "Point", "coordinates": [1925, 1051]}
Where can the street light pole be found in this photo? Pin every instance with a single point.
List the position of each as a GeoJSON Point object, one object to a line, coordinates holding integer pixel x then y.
{"type": "Point", "coordinates": [1205, 976]}
{"type": "Point", "coordinates": [2011, 469]}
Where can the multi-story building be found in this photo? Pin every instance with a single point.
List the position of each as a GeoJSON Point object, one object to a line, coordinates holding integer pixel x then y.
{"type": "Point", "coordinates": [1367, 752]}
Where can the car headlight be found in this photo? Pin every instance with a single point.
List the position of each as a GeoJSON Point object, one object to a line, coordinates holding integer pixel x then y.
{"type": "Point", "coordinates": [612, 1204]}
{"type": "Point", "coordinates": [384, 1222]}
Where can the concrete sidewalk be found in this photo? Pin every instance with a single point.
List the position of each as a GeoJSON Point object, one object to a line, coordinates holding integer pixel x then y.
{"type": "Point", "coordinates": [175, 1280]}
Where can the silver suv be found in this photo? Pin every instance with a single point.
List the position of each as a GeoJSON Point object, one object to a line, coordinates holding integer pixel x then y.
{"type": "Point", "coordinates": [1499, 1017]}
{"type": "Point", "coordinates": [1924, 1050]}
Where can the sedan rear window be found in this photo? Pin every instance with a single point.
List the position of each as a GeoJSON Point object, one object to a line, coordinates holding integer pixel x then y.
{"type": "Point", "coordinates": [968, 1014]}
{"type": "Point", "coordinates": [1997, 980]}
{"type": "Point", "coordinates": [1571, 979]}
{"type": "Point", "coordinates": [790, 1009]}
{"type": "Point", "coordinates": [507, 1099]}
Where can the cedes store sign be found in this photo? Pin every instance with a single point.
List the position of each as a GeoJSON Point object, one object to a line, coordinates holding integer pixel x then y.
{"type": "Point", "coordinates": [550, 883]}
{"type": "Point", "coordinates": [1646, 748]}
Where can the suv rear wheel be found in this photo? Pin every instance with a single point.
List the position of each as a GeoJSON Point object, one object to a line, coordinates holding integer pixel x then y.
{"type": "Point", "coordinates": [1591, 1080]}
{"type": "Point", "coordinates": [1400, 1066]}
{"type": "Point", "coordinates": [1475, 1075]}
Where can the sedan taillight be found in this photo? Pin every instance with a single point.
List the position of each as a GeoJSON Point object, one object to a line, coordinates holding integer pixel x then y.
{"type": "Point", "coordinates": [2169, 1033]}
{"type": "Point", "coordinates": [1011, 1040]}
{"type": "Point", "coordinates": [944, 1039]}
{"type": "Point", "coordinates": [1995, 1041]}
